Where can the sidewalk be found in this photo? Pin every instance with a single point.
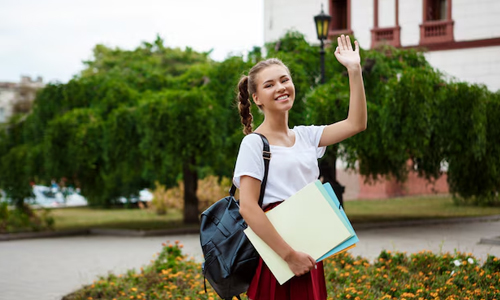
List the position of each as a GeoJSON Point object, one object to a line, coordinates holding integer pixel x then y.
{"type": "Point", "coordinates": [49, 268]}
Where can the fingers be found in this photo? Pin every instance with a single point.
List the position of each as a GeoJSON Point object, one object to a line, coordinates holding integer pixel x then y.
{"type": "Point", "coordinates": [312, 261]}
{"type": "Point", "coordinates": [344, 43]}
{"type": "Point", "coordinates": [341, 42]}
{"type": "Point", "coordinates": [348, 41]}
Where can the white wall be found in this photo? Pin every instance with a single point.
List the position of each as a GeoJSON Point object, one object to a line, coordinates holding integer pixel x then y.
{"type": "Point", "coordinates": [387, 13]}
{"type": "Point", "coordinates": [362, 21]}
{"type": "Point", "coordinates": [410, 17]}
{"type": "Point", "coordinates": [479, 65]}
{"type": "Point", "coordinates": [6, 98]}
{"type": "Point", "coordinates": [283, 15]}
{"type": "Point", "coordinates": [475, 20]}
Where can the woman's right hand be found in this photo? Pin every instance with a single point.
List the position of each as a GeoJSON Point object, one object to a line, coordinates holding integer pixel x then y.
{"type": "Point", "coordinates": [300, 263]}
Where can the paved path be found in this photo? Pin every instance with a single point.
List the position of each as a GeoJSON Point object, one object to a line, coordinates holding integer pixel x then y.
{"type": "Point", "coordinates": [47, 269]}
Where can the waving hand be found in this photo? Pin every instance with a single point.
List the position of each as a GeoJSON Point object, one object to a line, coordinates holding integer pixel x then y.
{"type": "Point", "coordinates": [344, 53]}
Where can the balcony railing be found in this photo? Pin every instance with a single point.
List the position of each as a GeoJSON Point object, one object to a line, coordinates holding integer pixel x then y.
{"type": "Point", "coordinates": [389, 35]}
{"type": "Point", "coordinates": [432, 32]}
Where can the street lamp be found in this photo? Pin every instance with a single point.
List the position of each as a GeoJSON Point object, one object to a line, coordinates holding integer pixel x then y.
{"type": "Point", "coordinates": [322, 22]}
{"type": "Point", "coordinates": [328, 172]}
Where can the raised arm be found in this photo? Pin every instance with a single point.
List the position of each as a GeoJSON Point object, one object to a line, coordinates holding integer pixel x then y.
{"type": "Point", "coordinates": [357, 116]}
{"type": "Point", "coordinates": [299, 262]}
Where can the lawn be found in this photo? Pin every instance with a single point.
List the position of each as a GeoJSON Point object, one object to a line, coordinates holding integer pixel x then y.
{"type": "Point", "coordinates": [358, 211]}
{"type": "Point", "coordinates": [119, 218]}
{"type": "Point", "coordinates": [412, 208]}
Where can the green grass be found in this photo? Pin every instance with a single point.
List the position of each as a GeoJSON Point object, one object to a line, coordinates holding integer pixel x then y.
{"type": "Point", "coordinates": [359, 211]}
{"type": "Point", "coordinates": [119, 218]}
{"type": "Point", "coordinates": [412, 208]}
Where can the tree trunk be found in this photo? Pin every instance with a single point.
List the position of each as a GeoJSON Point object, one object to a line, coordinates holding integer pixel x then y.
{"type": "Point", "coordinates": [190, 187]}
{"type": "Point", "coordinates": [328, 170]}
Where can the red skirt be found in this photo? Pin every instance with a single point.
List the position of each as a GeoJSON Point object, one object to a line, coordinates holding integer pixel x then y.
{"type": "Point", "coordinates": [264, 286]}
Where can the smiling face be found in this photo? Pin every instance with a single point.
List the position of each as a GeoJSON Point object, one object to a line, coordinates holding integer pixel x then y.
{"type": "Point", "coordinates": [274, 89]}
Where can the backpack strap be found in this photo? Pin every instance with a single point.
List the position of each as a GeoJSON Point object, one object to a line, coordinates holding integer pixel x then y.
{"type": "Point", "coordinates": [266, 155]}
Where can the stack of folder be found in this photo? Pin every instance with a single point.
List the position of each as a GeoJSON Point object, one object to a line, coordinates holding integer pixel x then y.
{"type": "Point", "coordinates": [311, 221]}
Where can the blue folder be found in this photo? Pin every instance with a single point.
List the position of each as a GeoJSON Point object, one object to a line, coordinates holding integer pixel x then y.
{"type": "Point", "coordinates": [329, 194]}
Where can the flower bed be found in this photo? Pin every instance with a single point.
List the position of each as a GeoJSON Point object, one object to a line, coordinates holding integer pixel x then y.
{"type": "Point", "coordinates": [423, 275]}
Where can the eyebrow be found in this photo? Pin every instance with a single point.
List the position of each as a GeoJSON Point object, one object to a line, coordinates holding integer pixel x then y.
{"type": "Point", "coordinates": [271, 80]}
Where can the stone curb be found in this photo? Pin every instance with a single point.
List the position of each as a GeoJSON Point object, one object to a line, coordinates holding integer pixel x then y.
{"type": "Point", "coordinates": [96, 231]}
{"type": "Point", "coordinates": [490, 241]}
{"type": "Point", "coordinates": [40, 235]}
{"type": "Point", "coordinates": [176, 231]}
{"type": "Point", "coordinates": [391, 224]}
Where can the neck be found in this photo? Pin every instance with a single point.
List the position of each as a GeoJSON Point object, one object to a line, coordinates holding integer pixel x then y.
{"type": "Point", "coordinates": [277, 123]}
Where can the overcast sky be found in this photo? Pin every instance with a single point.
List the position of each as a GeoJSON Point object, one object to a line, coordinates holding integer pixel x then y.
{"type": "Point", "coordinates": [51, 38]}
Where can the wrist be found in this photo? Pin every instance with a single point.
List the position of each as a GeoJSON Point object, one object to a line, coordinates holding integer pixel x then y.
{"type": "Point", "coordinates": [288, 254]}
{"type": "Point", "coordinates": [354, 68]}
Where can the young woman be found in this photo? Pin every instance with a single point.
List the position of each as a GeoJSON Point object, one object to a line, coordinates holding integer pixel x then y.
{"type": "Point", "coordinates": [293, 165]}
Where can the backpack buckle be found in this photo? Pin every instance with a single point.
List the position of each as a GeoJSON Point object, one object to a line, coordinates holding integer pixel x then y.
{"type": "Point", "coordinates": [266, 155]}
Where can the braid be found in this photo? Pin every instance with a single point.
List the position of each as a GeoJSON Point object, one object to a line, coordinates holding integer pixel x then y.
{"type": "Point", "coordinates": [244, 105]}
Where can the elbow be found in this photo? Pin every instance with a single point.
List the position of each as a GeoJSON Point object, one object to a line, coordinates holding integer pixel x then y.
{"type": "Point", "coordinates": [362, 127]}
{"type": "Point", "coordinates": [245, 210]}
{"type": "Point", "coordinates": [248, 210]}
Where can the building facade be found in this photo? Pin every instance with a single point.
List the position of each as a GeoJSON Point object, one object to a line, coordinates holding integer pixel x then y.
{"type": "Point", "coordinates": [18, 97]}
{"type": "Point", "coordinates": [461, 37]}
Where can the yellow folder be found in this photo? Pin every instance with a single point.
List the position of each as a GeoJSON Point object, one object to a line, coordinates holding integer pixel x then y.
{"type": "Point", "coordinates": [307, 222]}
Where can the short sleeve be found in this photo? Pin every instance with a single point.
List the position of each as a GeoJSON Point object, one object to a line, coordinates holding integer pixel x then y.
{"type": "Point", "coordinates": [312, 134]}
{"type": "Point", "coordinates": [249, 161]}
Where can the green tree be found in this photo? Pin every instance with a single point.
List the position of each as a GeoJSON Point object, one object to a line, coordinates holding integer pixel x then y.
{"type": "Point", "coordinates": [179, 130]}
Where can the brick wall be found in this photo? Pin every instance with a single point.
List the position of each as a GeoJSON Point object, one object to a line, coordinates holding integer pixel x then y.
{"type": "Point", "coordinates": [356, 188]}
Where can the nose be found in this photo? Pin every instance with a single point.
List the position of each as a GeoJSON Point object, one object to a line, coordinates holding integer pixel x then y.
{"type": "Point", "coordinates": [280, 87]}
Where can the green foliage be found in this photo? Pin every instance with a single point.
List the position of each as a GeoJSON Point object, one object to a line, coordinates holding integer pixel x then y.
{"type": "Point", "coordinates": [25, 219]}
{"type": "Point", "coordinates": [422, 275]}
{"type": "Point", "coordinates": [154, 113]}
{"type": "Point", "coordinates": [150, 66]}
{"type": "Point", "coordinates": [470, 134]}
{"type": "Point", "coordinates": [14, 174]}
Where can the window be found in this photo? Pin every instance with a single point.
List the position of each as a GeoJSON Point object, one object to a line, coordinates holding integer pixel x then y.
{"type": "Point", "coordinates": [436, 10]}
{"type": "Point", "coordinates": [340, 10]}
{"type": "Point", "coordinates": [339, 16]}
{"type": "Point", "coordinates": [437, 25]}
{"type": "Point", "coordinates": [385, 35]}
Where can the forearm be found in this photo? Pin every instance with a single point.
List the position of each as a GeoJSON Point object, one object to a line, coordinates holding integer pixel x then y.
{"type": "Point", "coordinates": [357, 101]}
{"type": "Point", "coordinates": [257, 220]}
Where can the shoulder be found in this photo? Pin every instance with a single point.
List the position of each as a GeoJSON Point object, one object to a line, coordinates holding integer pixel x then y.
{"type": "Point", "coordinates": [311, 134]}
{"type": "Point", "coordinates": [251, 140]}
{"type": "Point", "coordinates": [308, 129]}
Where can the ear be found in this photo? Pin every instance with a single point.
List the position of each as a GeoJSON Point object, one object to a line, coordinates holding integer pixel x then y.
{"type": "Point", "coordinates": [256, 99]}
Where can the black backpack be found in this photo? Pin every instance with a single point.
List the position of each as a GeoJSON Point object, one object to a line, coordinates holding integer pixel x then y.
{"type": "Point", "coordinates": [230, 258]}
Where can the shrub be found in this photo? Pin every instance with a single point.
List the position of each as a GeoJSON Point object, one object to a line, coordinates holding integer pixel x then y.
{"type": "Point", "coordinates": [423, 275]}
{"type": "Point", "coordinates": [25, 219]}
{"type": "Point", "coordinates": [210, 189]}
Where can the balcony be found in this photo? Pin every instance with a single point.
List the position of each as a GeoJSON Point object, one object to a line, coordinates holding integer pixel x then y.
{"type": "Point", "coordinates": [386, 36]}
{"type": "Point", "coordinates": [435, 32]}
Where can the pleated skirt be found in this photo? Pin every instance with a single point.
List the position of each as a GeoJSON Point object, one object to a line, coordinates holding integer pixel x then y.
{"type": "Point", "coordinates": [264, 286]}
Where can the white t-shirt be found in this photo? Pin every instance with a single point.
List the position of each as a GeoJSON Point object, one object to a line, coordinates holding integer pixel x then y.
{"type": "Point", "coordinates": [290, 168]}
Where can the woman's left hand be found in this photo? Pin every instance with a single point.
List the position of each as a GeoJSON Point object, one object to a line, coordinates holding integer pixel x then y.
{"type": "Point", "coordinates": [344, 53]}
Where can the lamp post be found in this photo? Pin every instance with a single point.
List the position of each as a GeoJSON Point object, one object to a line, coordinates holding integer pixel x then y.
{"type": "Point", "coordinates": [322, 22]}
{"type": "Point", "coordinates": [327, 166]}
